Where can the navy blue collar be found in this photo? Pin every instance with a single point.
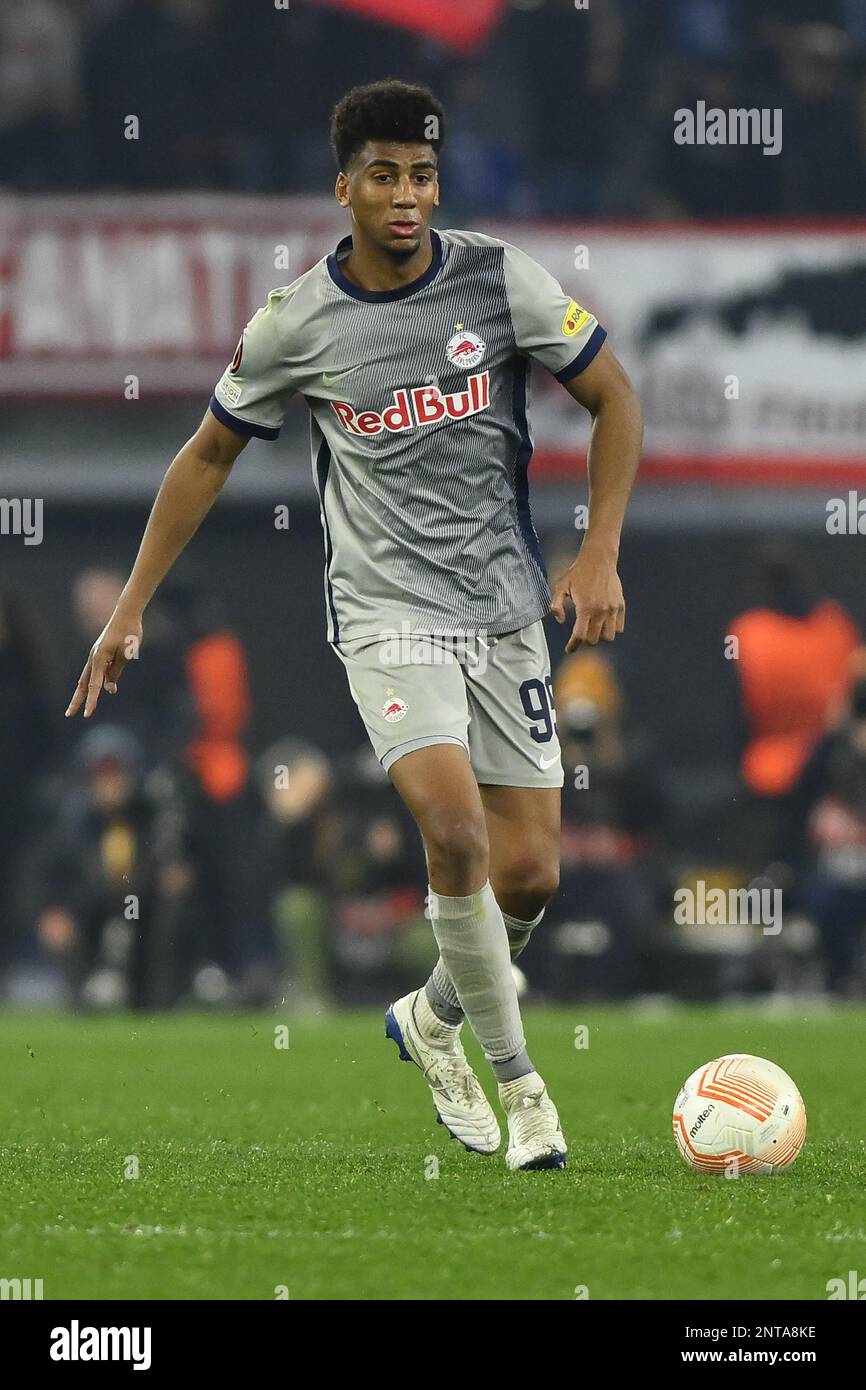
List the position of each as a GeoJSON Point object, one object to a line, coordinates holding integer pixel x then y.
{"type": "Point", "coordinates": [384, 296]}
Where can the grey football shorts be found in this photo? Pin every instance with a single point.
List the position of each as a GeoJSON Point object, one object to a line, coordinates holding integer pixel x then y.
{"type": "Point", "coordinates": [491, 695]}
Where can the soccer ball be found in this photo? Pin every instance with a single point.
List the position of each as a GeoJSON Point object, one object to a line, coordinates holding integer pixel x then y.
{"type": "Point", "coordinates": [739, 1114]}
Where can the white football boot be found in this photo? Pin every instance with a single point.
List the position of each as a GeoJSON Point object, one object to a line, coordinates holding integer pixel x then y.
{"type": "Point", "coordinates": [461, 1105]}
{"type": "Point", "coordinates": [534, 1135]}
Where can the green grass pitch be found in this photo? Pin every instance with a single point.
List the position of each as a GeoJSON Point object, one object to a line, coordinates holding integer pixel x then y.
{"type": "Point", "coordinates": [309, 1167]}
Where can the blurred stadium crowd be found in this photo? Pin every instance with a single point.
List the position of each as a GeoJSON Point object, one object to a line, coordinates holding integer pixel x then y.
{"type": "Point", "coordinates": [160, 863]}
{"type": "Point", "coordinates": [166, 861]}
{"type": "Point", "coordinates": [206, 77]}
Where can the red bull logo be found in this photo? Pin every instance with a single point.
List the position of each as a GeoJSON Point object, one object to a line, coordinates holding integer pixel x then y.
{"type": "Point", "coordinates": [425, 405]}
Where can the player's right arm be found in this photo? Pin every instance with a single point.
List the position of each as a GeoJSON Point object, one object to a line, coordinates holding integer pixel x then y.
{"type": "Point", "coordinates": [189, 490]}
{"type": "Point", "coordinates": [249, 399]}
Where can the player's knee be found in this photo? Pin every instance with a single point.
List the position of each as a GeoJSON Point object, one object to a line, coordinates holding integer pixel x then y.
{"type": "Point", "coordinates": [526, 884]}
{"type": "Point", "coordinates": [456, 846]}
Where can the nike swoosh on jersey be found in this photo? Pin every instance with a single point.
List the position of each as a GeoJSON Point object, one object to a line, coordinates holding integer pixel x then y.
{"type": "Point", "coordinates": [331, 378]}
{"type": "Point", "coordinates": [545, 763]}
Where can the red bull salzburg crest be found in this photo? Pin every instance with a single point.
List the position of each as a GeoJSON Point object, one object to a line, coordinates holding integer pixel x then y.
{"type": "Point", "coordinates": [394, 708]}
{"type": "Point", "coordinates": [465, 349]}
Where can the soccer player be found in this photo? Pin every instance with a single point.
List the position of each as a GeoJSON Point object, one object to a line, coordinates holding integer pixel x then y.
{"type": "Point", "coordinates": [412, 347]}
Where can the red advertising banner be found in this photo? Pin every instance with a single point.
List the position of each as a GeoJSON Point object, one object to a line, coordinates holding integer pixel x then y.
{"type": "Point", "coordinates": [92, 289]}
{"type": "Point", "coordinates": [745, 342]}
{"type": "Point", "coordinates": [463, 24]}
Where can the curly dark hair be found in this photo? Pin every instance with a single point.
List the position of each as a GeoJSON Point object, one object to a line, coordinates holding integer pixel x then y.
{"type": "Point", "coordinates": [388, 110]}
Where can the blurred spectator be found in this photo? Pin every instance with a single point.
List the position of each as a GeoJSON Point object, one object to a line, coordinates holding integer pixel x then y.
{"type": "Point", "coordinates": [832, 797]}
{"type": "Point", "coordinates": [40, 94]}
{"type": "Point", "coordinates": [787, 696]}
{"type": "Point", "coordinates": [273, 134]}
{"type": "Point", "coordinates": [571, 75]}
{"type": "Point", "coordinates": [709, 31]}
{"type": "Point", "coordinates": [823, 168]}
{"type": "Point", "coordinates": [105, 890]}
{"type": "Point", "coordinates": [295, 785]}
{"type": "Point", "coordinates": [377, 867]}
{"type": "Point", "coordinates": [142, 62]}
{"type": "Point", "coordinates": [156, 707]}
{"type": "Point", "coordinates": [612, 827]}
{"type": "Point", "coordinates": [231, 900]}
{"type": "Point", "coordinates": [26, 743]}
{"type": "Point", "coordinates": [481, 168]}
{"type": "Point", "coordinates": [718, 180]}
{"type": "Point", "coordinates": [555, 115]}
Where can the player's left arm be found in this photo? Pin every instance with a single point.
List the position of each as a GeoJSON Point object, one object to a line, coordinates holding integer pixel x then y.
{"type": "Point", "coordinates": [591, 582]}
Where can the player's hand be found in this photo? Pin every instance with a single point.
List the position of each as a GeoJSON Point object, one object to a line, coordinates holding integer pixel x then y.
{"type": "Point", "coordinates": [592, 585]}
{"type": "Point", "coordinates": [118, 643]}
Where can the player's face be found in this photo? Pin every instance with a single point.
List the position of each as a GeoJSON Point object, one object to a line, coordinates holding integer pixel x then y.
{"type": "Point", "coordinates": [392, 190]}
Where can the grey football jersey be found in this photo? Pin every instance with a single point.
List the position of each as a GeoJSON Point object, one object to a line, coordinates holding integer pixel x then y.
{"type": "Point", "coordinates": [419, 432]}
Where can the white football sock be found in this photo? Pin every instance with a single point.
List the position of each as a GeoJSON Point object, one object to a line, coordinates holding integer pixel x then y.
{"type": "Point", "coordinates": [439, 989]}
{"type": "Point", "coordinates": [474, 947]}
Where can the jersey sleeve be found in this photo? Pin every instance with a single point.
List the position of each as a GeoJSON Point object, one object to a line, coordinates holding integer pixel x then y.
{"type": "Point", "coordinates": [253, 391]}
{"type": "Point", "coordinates": [548, 324]}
